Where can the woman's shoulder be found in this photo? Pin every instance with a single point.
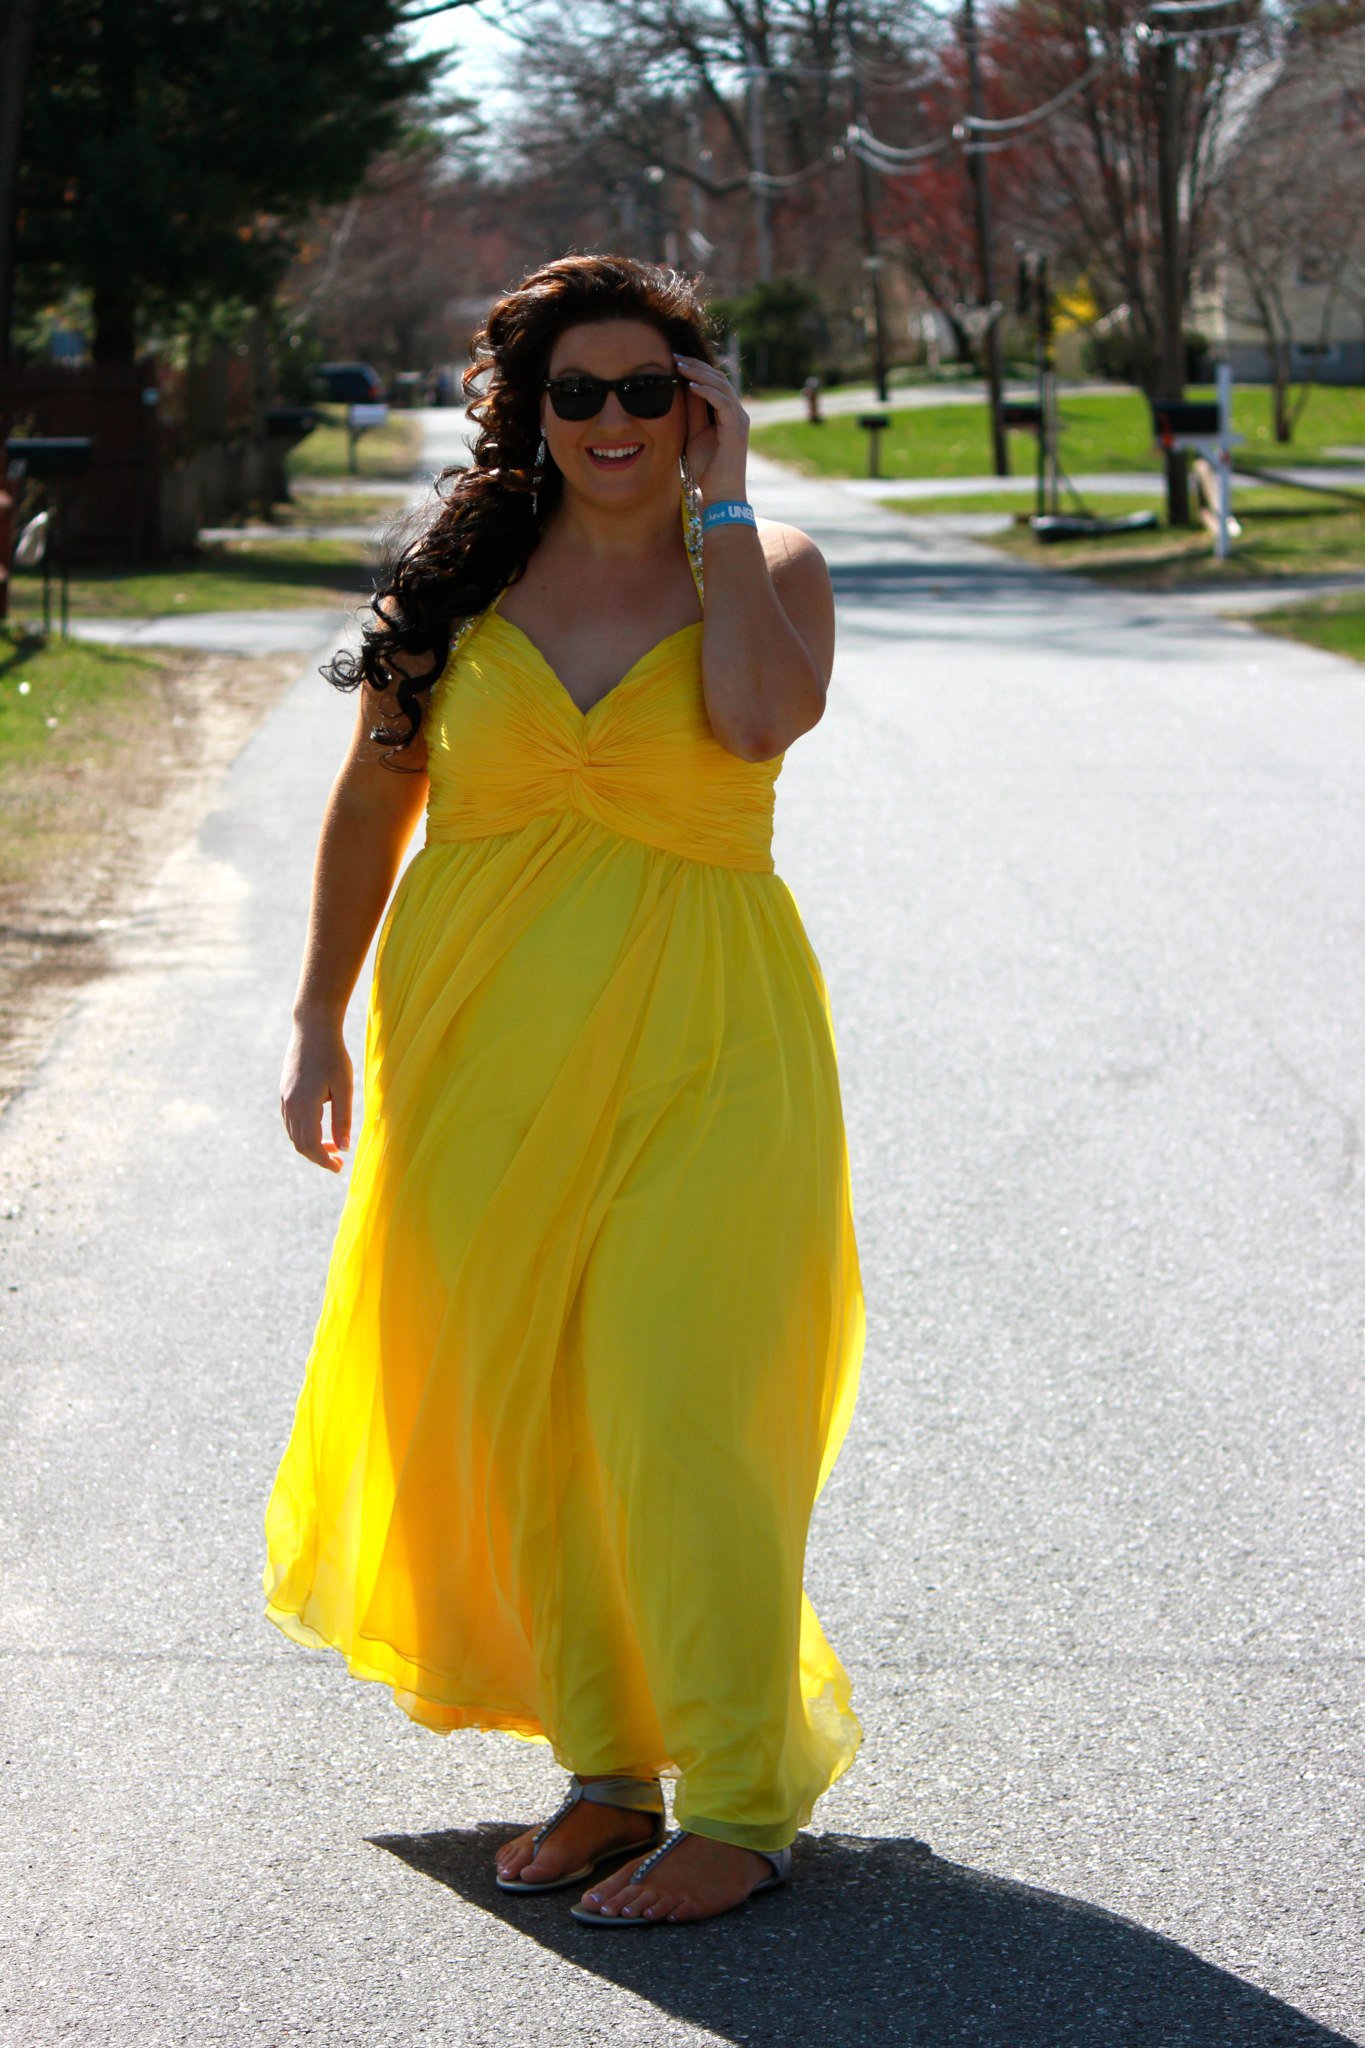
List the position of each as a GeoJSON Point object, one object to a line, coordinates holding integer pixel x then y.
{"type": "Point", "coordinates": [793, 559]}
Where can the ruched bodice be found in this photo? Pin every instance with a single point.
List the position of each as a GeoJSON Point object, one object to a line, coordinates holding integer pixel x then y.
{"type": "Point", "coordinates": [506, 743]}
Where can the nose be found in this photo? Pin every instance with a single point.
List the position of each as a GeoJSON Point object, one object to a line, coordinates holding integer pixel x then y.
{"type": "Point", "coordinates": [613, 413]}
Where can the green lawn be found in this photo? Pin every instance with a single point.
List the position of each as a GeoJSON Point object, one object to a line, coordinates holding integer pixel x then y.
{"type": "Point", "coordinates": [1103, 430]}
{"type": "Point", "coordinates": [256, 575]}
{"type": "Point", "coordinates": [66, 711]}
{"type": "Point", "coordinates": [336, 508]}
{"type": "Point", "coordinates": [53, 695]}
{"type": "Point", "coordinates": [1016, 503]}
{"type": "Point", "coordinates": [1290, 535]}
{"type": "Point", "coordinates": [1335, 623]}
{"type": "Point", "coordinates": [393, 450]}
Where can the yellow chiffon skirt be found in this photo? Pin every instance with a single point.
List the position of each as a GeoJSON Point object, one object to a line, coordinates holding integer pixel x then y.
{"type": "Point", "coordinates": [592, 1326]}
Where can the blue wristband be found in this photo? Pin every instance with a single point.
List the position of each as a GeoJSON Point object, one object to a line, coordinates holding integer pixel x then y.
{"type": "Point", "coordinates": [728, 512]}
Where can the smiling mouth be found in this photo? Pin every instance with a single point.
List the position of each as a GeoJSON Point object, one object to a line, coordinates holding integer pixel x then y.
{"type": "Point", "coordinates": [617, 458]}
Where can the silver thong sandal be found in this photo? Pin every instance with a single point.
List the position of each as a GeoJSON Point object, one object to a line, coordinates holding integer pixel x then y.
{"type": "Point", "coordinates": [633, 1795]}
{"type": "Point", "coordinates": [781, 1860]}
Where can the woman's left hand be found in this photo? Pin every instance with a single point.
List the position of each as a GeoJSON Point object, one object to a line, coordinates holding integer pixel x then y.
{"type": "Point", "coordinates": [717, 450]}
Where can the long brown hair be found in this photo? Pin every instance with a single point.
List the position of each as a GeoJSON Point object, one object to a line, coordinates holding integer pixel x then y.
{"type": "Point", "coordinates": [493, 513]}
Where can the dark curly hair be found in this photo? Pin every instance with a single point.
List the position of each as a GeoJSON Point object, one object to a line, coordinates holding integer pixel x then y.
{"type": "Point", "coordinates": [492, 514]}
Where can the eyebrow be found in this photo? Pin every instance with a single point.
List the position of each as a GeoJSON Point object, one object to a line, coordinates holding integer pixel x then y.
{"type": "Point", "coordinates": [577, 370]}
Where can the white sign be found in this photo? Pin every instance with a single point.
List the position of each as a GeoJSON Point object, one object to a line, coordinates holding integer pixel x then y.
{"type": "Point", "coordinates": [367, 416]}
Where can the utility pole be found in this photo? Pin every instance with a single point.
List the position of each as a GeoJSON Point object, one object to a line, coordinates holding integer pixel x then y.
{"type": "Point", "coordinates": [976, 163]}
{"type": "Point", "coordinates": [758, 164]}
{"type": "Point", "coordinates": [700, 156]}
{"type": "Point", "coordinates": [1168, 24]}
{"type": "Point", "coordinates": [1171, 378]}
{"type": "Point", "coordinates": [872, 262]}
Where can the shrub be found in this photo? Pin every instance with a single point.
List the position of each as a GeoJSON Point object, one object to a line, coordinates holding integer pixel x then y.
{"type": "Point", "coordinates": [781, 328]}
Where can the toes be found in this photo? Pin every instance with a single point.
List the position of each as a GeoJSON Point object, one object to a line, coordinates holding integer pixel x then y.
{"type": "Point", "coordinates": [642, 1897]}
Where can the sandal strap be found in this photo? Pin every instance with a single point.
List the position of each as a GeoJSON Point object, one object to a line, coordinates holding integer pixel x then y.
{"type": "Point", "coordinates": [671, 1841]}
{"type": "Point", "coordinates": [781, 1859]}
{"type": "Point", "coordinates": [637, 1795]}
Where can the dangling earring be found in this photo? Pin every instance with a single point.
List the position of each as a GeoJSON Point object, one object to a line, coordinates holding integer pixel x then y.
{"type": "Point", "coordinates": [691, 515]}
{"type": "Point", "coordinates": [538, 474]}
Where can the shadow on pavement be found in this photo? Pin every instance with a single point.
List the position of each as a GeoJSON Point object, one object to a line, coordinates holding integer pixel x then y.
{"type": "Point", "coordinates": [882, 1944]}
{"type": "Point", "coordinates": [884, 582]}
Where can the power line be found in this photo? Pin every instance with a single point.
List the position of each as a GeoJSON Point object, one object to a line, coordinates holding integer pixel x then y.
{"type": "Point", "coordinates": [1014, 122]}
{"type": "Point", "coordinates": [861, 139]}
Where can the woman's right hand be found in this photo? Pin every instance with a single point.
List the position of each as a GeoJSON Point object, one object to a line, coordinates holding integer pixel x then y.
{"type": "Point", "coordinates": [317, 1069]}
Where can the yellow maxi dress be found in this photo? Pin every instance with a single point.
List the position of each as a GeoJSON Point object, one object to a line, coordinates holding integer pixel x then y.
{"type": "Point", "coordinates": [593, 1318]}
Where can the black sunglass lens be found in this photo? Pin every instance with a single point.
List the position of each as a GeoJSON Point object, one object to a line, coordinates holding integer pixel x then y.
{"type": "Point", "coordinates": [647, 398]}
{"type": "Point", "coordinates": [577, 398]}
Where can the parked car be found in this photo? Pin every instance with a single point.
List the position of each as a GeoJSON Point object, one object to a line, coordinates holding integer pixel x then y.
{"type": "Point", "coordinates": [350, 383]}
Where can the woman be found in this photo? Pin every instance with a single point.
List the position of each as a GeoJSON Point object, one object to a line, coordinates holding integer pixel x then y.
{"type": "Point", "coordinates": [593, 1317]}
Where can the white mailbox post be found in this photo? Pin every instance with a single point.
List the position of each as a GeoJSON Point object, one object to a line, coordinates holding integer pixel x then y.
{"type": "Point", "coordinates": [358, 418]}
{"type": "Point", "coordinates": [1207, 430]}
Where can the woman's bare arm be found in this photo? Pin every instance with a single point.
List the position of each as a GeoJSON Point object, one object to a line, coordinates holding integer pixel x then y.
{"type": "Point", "coordinates": [768, 646]}
{"type": "Point", "coordinates": [370, 817]}
{"type": "Point", "coordinates": [768, 639]}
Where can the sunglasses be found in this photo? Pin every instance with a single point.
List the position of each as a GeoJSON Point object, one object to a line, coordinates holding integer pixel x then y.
{"type": "Point", "coordinates": [646, 396]}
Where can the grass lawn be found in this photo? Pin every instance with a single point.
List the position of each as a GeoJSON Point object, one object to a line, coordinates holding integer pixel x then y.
{"type": "Point", "coordinates": [68, 714]}
{"type": "Point", "coordinates": [256, 575]}
{"type": "Point", "coordinates": [336, 508]}
{"type": "Point", "coordinates": [1335, 623]}
{"type": "Point", "coordinates": [1284, 533]}
{"type": "Point", "coordinates": [393, 450]}
{"type": "Point", "coordinates": [1016, 504]}
{"type": "Point", "coordinates": [55, 699]}
{"type": "Point", "coordinates": [1103, 430]}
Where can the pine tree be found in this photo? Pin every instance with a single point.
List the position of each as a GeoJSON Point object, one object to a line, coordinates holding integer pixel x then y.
{"type": "Point", "coordinates": [170, 148]}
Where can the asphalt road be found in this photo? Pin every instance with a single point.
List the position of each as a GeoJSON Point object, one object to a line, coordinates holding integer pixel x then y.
{"type": "Point", "coordinates": [1086, 882]}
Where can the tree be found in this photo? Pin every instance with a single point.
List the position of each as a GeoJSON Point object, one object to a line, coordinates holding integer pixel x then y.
{"type": "Point", "coordinates": [741, 102]}
{"type": "Point", "coordinates": [1288, 198]}
{"type": "Point", "coordinates": [18, 22]}
{"type": "Point", "coordinates": [170, 150]}
{"type": "Point", "coordinates": [780, 325]}
{"type": "Point", "coordinates": [387, 276]}
{"type": "Point", "coordinates": [1093, 166]}
{"type": "Point", "coordinates": [926, 214]}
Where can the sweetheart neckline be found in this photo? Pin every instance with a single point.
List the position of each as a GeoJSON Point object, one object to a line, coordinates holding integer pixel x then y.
{"type": "Point", "coordinates": [616, 688]}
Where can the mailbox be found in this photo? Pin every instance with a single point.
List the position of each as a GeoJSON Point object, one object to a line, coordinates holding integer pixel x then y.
{"type": "Point", "coordinates": [52, 459]}
{"type": "Point", "coordinates": [1185, 419]}
{"type": "Point", "coordinates": [290, 422]}
{"type": "Point", "coordinates": [53, 456]}
{"type": "Point", "coordinates": [873, 424]}
{"type": "Point", "coordinates": [1022, 412]}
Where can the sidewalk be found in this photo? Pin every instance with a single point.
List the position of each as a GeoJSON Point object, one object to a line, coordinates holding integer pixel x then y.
{"type": "Point", "coordinates": [282, 631]}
